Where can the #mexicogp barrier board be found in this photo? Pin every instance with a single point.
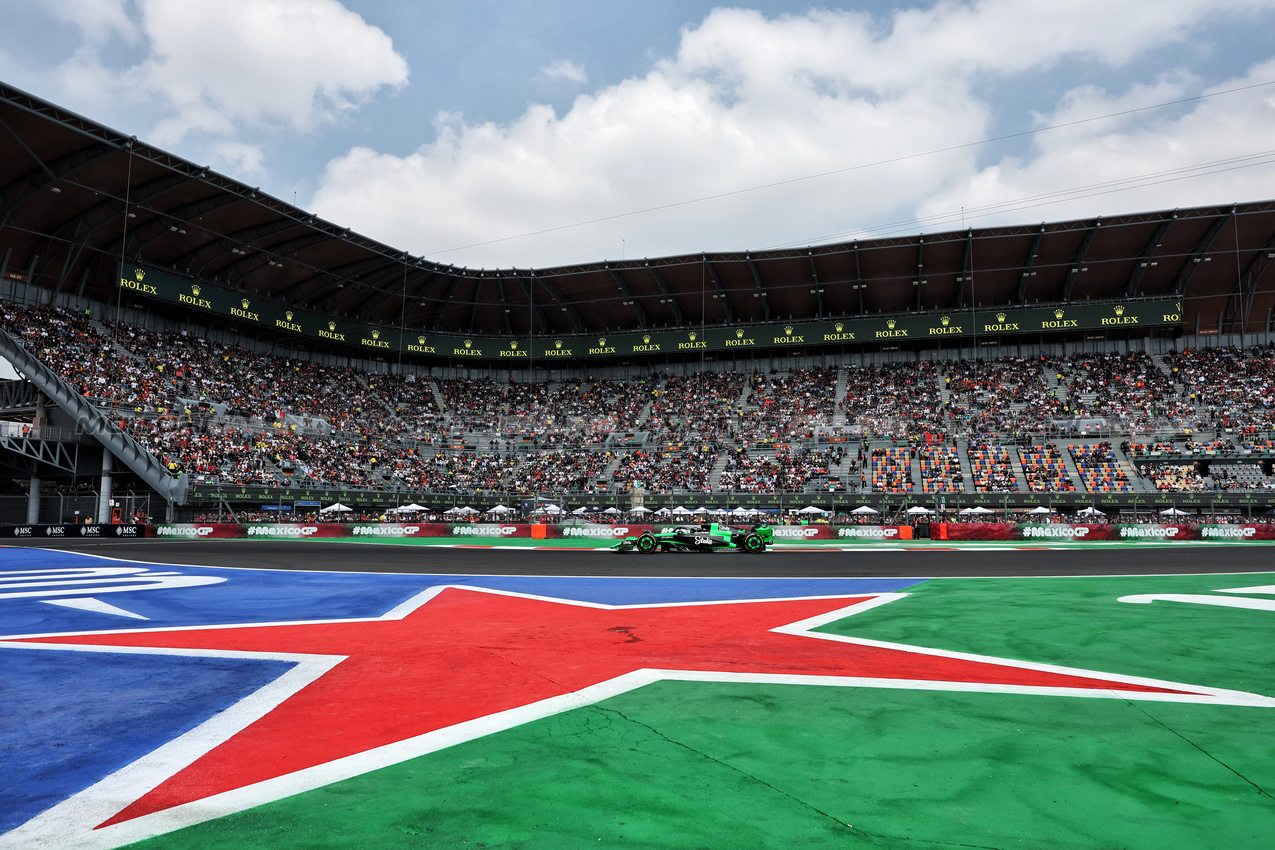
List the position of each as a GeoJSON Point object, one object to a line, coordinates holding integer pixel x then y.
{"type": "Point", "coordinates": [1059, 532]}
{"type": "Point", "coordinates": [253, 311]}
{"type": "Point", "coordinates": [1045, 533]}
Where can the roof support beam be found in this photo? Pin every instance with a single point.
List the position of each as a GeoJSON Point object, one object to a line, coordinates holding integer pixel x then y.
{"type": "Point", "coordinates": [500, 285]}
{"type": "Point", "coordinates": [817, 286]}
{"type": "Point", "coordinates": [859, 285]}
{"type": "Point", "coordinates": [721, 290]}
{"type": "Point", "coordinates": [1198, 254]}
{"type": "Point", "coordinates": [473, 301]}
{"type": "Point", "coordinates": [920, 280]}
{"type": "Point", "coordinates": [668, 296]}
{"type": "Point", "coordinates": [1246, 286]}
{"type": "Point", "coordinates": [577, 323]}
{"type": "Point", "coordinates": [532, 306]}
{"type": "Point", "coordinates": [452, 280]}
{"type": "Point", "coordinates": [1145, 260]}
{"type": "Point", "coordinates": [629, 298]}
{"type": "Point", "coordinates": [963, 274]}
{"type": "Point", "coordinates": [761, 288]}
{"type": "Point", "coordinates": [1078, 261]}
{"type": "Point", "coordinates": [1028, 262]}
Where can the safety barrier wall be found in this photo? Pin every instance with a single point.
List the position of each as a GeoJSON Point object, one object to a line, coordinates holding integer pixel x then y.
{"type": "Point", "coordinates": [21, 532]}
{"type": "Point", "coordinates": [1056, 532]}
{"type": "Point", "coordinates": [1027, 532]}
{"type": "Point", "coordinates": [493, 530]}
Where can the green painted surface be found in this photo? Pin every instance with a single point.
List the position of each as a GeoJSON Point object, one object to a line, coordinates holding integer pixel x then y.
{"type": "Point", "coordinates": [697, 765]}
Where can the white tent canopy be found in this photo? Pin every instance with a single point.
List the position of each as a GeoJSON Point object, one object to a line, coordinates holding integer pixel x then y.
{"type": "Point", "coordinates": [579, 511]}
{"type": "Point", "coordinates": [641, 511]}
{"type": "Point", "coordinates": [918, 509]}
{"type": "Point", "coordinates": [1041, 509]}
{"type": "Point", "coordinates": [863, 509]}
{"type": "Point", "coordinates": [612, 511]}
{"type": "Point", "coordinates": [336, 507]}
{"type": "Point", "coordinates": [679, 510]}
{"type": "Point", "coordinates": [700, 510]}
{"type": "Point", "coordinates": [977, 510]}
{"type": "Point", "coordinates": [1090, 512]}
{"type": "Point", "coordinates": [1174, 512]}
{"type": "Point", "coordinates": [499, 509]}
{"type": "Point", "coordinates": [743, 511]}
{"type": "Point", "coordinates": [549, 509]}
{"type": "Point", "coordinates": [663, 512]}
{"type": "Point", "coordinates": [811, 509]}
{"type": "Point", "coordinates": [408, 509]}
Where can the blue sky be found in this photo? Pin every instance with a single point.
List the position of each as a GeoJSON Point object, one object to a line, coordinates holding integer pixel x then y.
{"type": "Point", "coordinates": [532, 134]}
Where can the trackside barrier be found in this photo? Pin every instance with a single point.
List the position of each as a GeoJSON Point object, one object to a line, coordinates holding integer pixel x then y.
{"type": "Point", "coordinates": [496, 531]}
{"type": "Point", "coordinates": [1062, 532]}
{"type": "Point", "coordinates": [973, 531]}
{"type": "Point", "coordinates": [23, 532]}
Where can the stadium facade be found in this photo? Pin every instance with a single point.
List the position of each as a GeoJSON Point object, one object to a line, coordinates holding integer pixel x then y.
{"type": "Point", "coordinates": [131, 242]}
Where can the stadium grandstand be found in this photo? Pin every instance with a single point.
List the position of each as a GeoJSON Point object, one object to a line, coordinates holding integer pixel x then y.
{"type": "Point", "coordinates": [187, 345]}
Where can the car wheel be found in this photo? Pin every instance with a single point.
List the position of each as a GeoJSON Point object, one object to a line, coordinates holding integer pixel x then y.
{"type": "Point", "coordinates": [646, 544]}
{"type": "Point", "coordinates": [753, 543]}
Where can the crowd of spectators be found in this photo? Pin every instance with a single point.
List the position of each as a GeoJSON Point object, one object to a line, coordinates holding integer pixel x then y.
{"type": "Point", "coordinates": [1231, 387]}
{"type": "Point", "coordinates": [1044, 469]}
{"type": "Point", "coordinates": [895, 400]}
{"type": "Point", "coordinates": [219, 411]}
{"type": "Point", "coordinates": [668, 469]}
{"type": "Point", "coordinates": [700, 405]}
{"type": "Point", "coordinates": [783, 470]}
{"type": "Point", "coordinates": [1177, 477]}
{"type": "Point", "coordinates": [1129, 390]}
{"type": "Point", "coordinates": [991, 469]}
{"type": "Point", "coordinates": [940, 470]}
{"type": "Point", "coordinates": [1099, 469]}
{"type": "Point", "coordinates": [1008, 395]}
{"type": "Point", "coordinates": [785, 406]}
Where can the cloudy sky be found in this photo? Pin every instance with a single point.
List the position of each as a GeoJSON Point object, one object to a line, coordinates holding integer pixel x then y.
{"type": "Point", "coordinates": [499, 133]}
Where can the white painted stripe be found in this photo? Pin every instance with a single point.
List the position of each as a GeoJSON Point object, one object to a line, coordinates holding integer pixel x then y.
{"type": "Point", "coordinates": [95, 605]}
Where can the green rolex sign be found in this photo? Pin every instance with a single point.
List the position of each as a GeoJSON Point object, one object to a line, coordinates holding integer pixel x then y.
{"type": "Point", "coordinates": [957, 324]}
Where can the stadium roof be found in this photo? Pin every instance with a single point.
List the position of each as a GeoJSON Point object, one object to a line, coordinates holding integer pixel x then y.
{"type": "Point", "coordinates": [77, 198]}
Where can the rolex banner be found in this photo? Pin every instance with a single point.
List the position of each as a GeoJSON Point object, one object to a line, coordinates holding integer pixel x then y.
{"type": "Point", "coordinates": [964, 324]}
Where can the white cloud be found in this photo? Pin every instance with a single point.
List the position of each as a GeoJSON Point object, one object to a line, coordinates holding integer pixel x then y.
{"type": "Point", "coordinates": [565, 69]}
{"type": "Point", "coordinates": [748, 101]}
{"type": "Point", "coordinates": [1166, 154]}
{"type": "Point", "coordinates": [97, 20]}
{"type": "Point", "coordinates": [221, 67]}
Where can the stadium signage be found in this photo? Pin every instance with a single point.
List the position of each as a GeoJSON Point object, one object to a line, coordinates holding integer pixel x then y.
{"type": "Point", "coordinates": [213, 299]}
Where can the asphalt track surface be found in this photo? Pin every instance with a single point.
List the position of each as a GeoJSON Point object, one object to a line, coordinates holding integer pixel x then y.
{"type": "Point", "coordinates": [921, 561]}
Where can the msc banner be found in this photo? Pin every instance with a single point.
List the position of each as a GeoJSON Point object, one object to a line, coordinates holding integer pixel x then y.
{"type": "Point", "coordinates": [71, 531]}
{"type": "Point", "coordinates": [253, 311]}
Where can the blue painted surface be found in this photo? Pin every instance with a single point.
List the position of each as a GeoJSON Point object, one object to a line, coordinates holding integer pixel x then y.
{"type": "Point", "coordinates": [256, 596]}
{"type": "Point", "coordinates": [73, 718]}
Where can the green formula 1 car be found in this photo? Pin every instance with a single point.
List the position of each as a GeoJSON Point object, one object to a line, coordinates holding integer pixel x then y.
{"type": "Point", "coordinates": [696, 538]}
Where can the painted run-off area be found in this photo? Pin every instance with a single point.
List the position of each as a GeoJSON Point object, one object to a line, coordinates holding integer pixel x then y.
{"type": "Point", "coordinates": [710, 765]}
{"type": "Point", "coordinates": [680, 764]}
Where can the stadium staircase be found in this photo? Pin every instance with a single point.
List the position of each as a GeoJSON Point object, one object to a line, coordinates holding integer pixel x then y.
{"type": "Point", "coordinates": [1140, 484]}
{"type": "Point", "coordinates": [838, 412]}
{"type": "Point", "coordinates": [438, 396]}
{"type": "Point", "coordinates": [715, 474]}
{"type": "Point", "coordinates": [967, 471]}
{"type": "Point", "coordinates": [1020, 477]}
{"type": "Point", "coordinates": [93, 422]}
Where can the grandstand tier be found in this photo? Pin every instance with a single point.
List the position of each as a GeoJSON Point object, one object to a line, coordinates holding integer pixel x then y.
{"type": "Point", "coordinates": [190, 339]}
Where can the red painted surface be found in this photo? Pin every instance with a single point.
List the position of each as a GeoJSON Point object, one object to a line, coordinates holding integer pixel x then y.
{"type": "Point", "coordinates": [466, 654]}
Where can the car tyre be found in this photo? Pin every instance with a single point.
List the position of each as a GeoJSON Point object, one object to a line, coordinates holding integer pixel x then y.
{"type": "Point", "coordinates": [753, 544]}
{"type": "Point", "coordinates": [646, 544]}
